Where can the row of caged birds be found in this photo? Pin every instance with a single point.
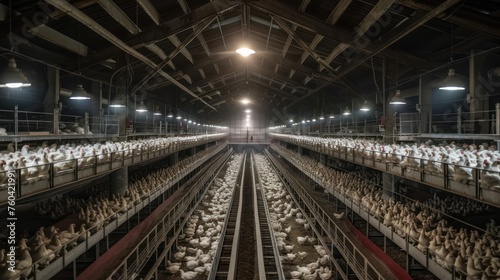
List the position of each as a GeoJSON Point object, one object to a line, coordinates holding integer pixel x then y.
{"type": "Point", "coordinates": [298, 260]}
{"type": "Point", "coordinates": [197, 244]}
{"type": "Point", "coordinates": [471, 252]}
{"type": "Point", "coordinates": [34, 162]}
{"type": "Point", "coordinates": [459, 161]}
{"type": "Point", "coordinates": [95, 212]}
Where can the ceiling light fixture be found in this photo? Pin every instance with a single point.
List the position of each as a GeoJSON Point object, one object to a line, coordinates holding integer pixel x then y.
{"type": "Point", "coordinates": [79, 93]}
{"type": "Point", "coordinates": [322, 117]}
{"type": "Point", "coordinates": [398, 99]}
{"type": "Point", "coordinates": [346, 112]}
{"type": "Point", "coordinates": [12, 77]}
{"type": "Point", "coordinates": [245, 101]}
{"type": "Point", "coordinates": [170, 115]}
{"type": "Point", "coordinates": [118, 102]}
{"type": "Point", "coordinates": [141, 108]}
{"type": "Point", "coordinates": [365, 107]}
{"type": "Point", "coordinates": [332, 115]}
{"type": "Point", "coordinates": [245, 52]}
{"type": "Point", "coordinates": [157, 111]}
{"type": "Point", "coordinates": [248, 111]}
{"type": "Point", "coordinates": [452, 82]}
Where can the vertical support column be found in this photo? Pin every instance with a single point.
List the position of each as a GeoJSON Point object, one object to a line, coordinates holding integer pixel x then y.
{"type": "Point", "coordinates": [174, 158]}
{"type": "Point", "coordinates": [322, 159]}
{"type": "Point", "coordinates": [51, 101]}
{"type": "Point", "coordinates": [388, 184]}
{"type": "Point", "coordinates": [425, 101]}
{"type": "Point", "coordinates": [479, 91]}
{"type": "Point", "coordinates": [118, 181]}
{"type": "Point", "coordinates": [95, 107]}
{"type": "Point", "coordinates": [497, 118]}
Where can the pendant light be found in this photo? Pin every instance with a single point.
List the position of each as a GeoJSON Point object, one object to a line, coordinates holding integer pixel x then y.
{"type": "Point", "coordinates": [365, 107]}
{"type": "Point", "coordinates": [157, 111]}
{"type": "Point", "coordinates": [322, 117]}
{"type": "Point", "coordinates": [141, 108]}
{"type": "Point", "coordinates": [332, 115]}
{"type": "Point", "coordinates": [118, 102]}
{"type": "Point", "coordinates": [12, 77]}
{"type": "Point", "coordinates": [170, 115]}
{"type": "Point", "coordinates": [79, 93]}
{"type": "Point", "coordinates": [346, 112]}
{"type": "Point", "coordinates": [452, 82]}
{"type": "Point", "coordinates": [397, 99]}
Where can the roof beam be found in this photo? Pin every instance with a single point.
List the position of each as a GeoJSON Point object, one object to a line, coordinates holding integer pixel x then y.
{"type": "Point", "coordinates": [313, 54]}
{"type": "Point", "coordinates": [117, 14]}
{"type": "Point", "coordinates": [276, 9]}
{"type": "Point", "coordinates": [391, 38]}
{"type": "Point", "coordinates": [57, 38]}
{"type": "Point", "coordinates": [164, 30]}
{"type": "Point", "coordinates": [332, 20]}
{"type": "Point", "coordinates": [150, 10]}
{"type": "Point", "coordinates": [380, 8]}
{"type": "Point", "coordinates": [468, 18]}
{"type": "Point", "coordinates": [178, 49]}
{"type": "Point", "coordinates": [96, 27]}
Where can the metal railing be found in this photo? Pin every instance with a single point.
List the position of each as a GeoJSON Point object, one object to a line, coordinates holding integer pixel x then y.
{"type": "Point", "coordinates": [64, 173]}
{"type": "Point", "coordinates": [405, 242]}
{"type": "Point", "coordinates": [112, 222]}
{"type": "Point", "coordinates": [470, 187]}
{"type": "Point", "coordinates": [27, 123]}
{"type": "Point", "coordinates": [356, 259]}
{"type": "Point", "coordinates": [140, 253]}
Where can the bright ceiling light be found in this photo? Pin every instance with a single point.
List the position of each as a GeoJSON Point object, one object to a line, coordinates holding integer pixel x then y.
{"type": "Point", "coordinates": [157, 111]}
{"type": "Point", "coordinates": [118, 102]}
{"type": "Point", "coordinates": [346, 112]}
{"type": "Point", "coordinates": [248, 111]}
{"type": "Point", "coordinates": [12, 77]}
{"type": "Point", "coordinates": [452, 82]}
{"type": "Point", "coordinates": [245, 101]}
{"type": "Point", "coordinates": [398, 99]}
{"type": "Point", "coordinates": [245, 52]}
{"type": "Point", "coordinates": [322, 117]}
{"type": "Point", "coordinates": [170, 115]}
{"type": "Point", "coordinates": [79, 93]}
{"type": "Point", "coordinates": [365, 106]}
{"type": "Point", "coordinates": [141, 108]}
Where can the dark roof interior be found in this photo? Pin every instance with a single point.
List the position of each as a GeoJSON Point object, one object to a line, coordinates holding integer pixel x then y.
{"type": "Point", "coordinates": [311, 56]}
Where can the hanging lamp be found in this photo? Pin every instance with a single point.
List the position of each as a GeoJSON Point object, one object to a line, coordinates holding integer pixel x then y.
{"type": "Point", "coordinates": [118, 102]}
{"type": "Point", "coordinates": [452, 82]}
{"type": "Point", "coordinates": [141, 108]}
{"type": "Point", "coordinates": [346, 111]}
{"type": "Point", "coordinates": [397, 99]}
{"type": "Point", "coordinates": [12, 77]}
{"type": "Point", "coordinates": [365, 107]}
{"type": "Point", "coordinates": [157, 111]}
{"type": "Point", "coordinates": [79, 93]}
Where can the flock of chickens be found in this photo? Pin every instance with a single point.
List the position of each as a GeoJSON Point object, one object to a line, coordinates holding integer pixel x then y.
{"type": "Point", "coordinates": [34, 163]}
{"type": "Point", "coordinates": [198, 242]}
{"type": "Point", "coordinates": [287, 222]}
{"type": "Point", "coordinates": [471, 252]}
{"type": "Point", "coordinates": [459, 161]}
{"type": "Point", "coordinates": [94, 212]}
